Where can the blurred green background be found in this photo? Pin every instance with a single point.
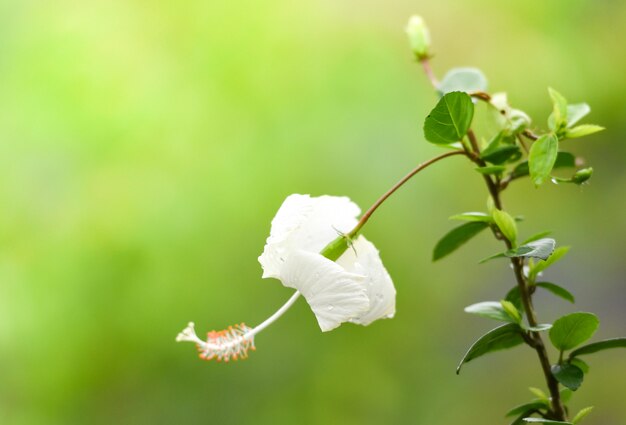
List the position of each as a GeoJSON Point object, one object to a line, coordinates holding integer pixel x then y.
{"type": "Point", "coordinates": [145, 147]}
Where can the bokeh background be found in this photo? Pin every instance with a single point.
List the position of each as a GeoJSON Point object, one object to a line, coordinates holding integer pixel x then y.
{"type": "Point", "coordinates": [146, 145]}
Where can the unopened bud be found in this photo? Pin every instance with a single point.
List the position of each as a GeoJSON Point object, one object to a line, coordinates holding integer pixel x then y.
{"type": "Point", "coordinates": [582, 176]}
{"type": "Point", "coordinates": [419, 37]}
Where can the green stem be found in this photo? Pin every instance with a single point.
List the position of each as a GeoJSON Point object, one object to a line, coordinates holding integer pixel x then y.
{"type": "Point", "coordinates": [429, 72]}
{"type": "Point", "coordinates": [365, 217]}
{"type": "Point", "coordinates": [493, 188]}
{"type": "Point", "coordinates": [536, 341]}
{"type": "Point", "coordinates": [339, 245]}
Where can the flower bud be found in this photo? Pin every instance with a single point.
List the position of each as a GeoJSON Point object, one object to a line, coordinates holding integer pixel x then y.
{"type": "Point", "coordinates": [419, 37]}
{"type": "Point", "coordinates": [582, 176]}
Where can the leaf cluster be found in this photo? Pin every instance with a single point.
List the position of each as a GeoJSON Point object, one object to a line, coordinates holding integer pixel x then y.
{"type": "Point", "coordinates": [506, 155]}
{"type": "Point", "coordinates": [512, 152]}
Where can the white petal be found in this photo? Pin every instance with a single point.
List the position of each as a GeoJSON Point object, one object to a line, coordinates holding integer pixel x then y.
{"type": "Point", "coordinates": [365, 260]}
{"type": "Point", "coordinates": [334, 295]}
{"type": "Point", "coordinates": [305, 223]}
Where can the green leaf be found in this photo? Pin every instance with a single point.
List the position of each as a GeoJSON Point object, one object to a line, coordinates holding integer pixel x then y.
{"type": "Point", "coordinates": [576, 112]}
{"type": "Point", "coordinates": [472, 216]}
{"type": "Point", "coordinates": [563, 160]}
{"type": "Point", "coordinates": [541, 248]}
{"type": "Point", "coordinates": [494, 169]}
{"type": "Point", "coordinates": [540, 395]}
{"type": "Point", "coordinates": [449, 121]}
{"type": "Point", "coordinates": [520, 419]}
{"type": "Point", "coordinates": [511, 311]}
{"type": "Point", "coordinates": [514, 297]}
{"type": "Point", "coordinates": [506, 224]}
{"type": "Point", "coordinates": [573, 329]}
{"type": "Point", "coordinates": [457, 237]}
{"type": "Point", "coordinates": [557, 290]}
{"type": "Point", "coordinates": [542, 156]}
{"type": "Point", "coordinates": [582, 130]}
{"type": "Point", "coordinates": [539, 328]}
{"type": "Point", "coordinates": [497, 153]}
{"type": "Point", "coordinates": [492, 257]}
{"type": "Point", "coordinates": [594, 347]}
{"type": "Point", "coordinates": [491, 206]}
{"type": "Point", "coordinates": [537, 236]}
{"type": "Point", "coordinates": [558, 119]}
{"type": "Point", "coordinates": [490, 310]}
{"type": "Point", "coordinates": [524, 408]}
{"type": "Point", "coordinates": [520, 170]}
{"type": "Point", "coordinates": [500, 338]}
{"type": "Point", "coordinates": [582, 414]}
{"type": "Point", "coordinates": [568, 375]}
{"type": "Point", "coordinates": [566, 394]}
{"type": "Point", "coordinates": [545, 421]}
{"type": "Point", "coordinates": [580, 364]}
{"type": "Point", "coordinates": [463, 79]}
{"type": "Point", "coordinates": [543, 265]}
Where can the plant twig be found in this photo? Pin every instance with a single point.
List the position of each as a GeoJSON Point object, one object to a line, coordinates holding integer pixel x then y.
{"type": "Point", "coordinates": [397, 186]}
{"type": "Point", "coordinates": [429, 73]}
{"type": "Point", "coordinates": [557, 410]}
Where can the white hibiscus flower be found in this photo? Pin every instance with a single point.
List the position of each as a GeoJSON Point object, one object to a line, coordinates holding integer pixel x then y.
{"type": "Point", "coordinates": [355, 288]}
